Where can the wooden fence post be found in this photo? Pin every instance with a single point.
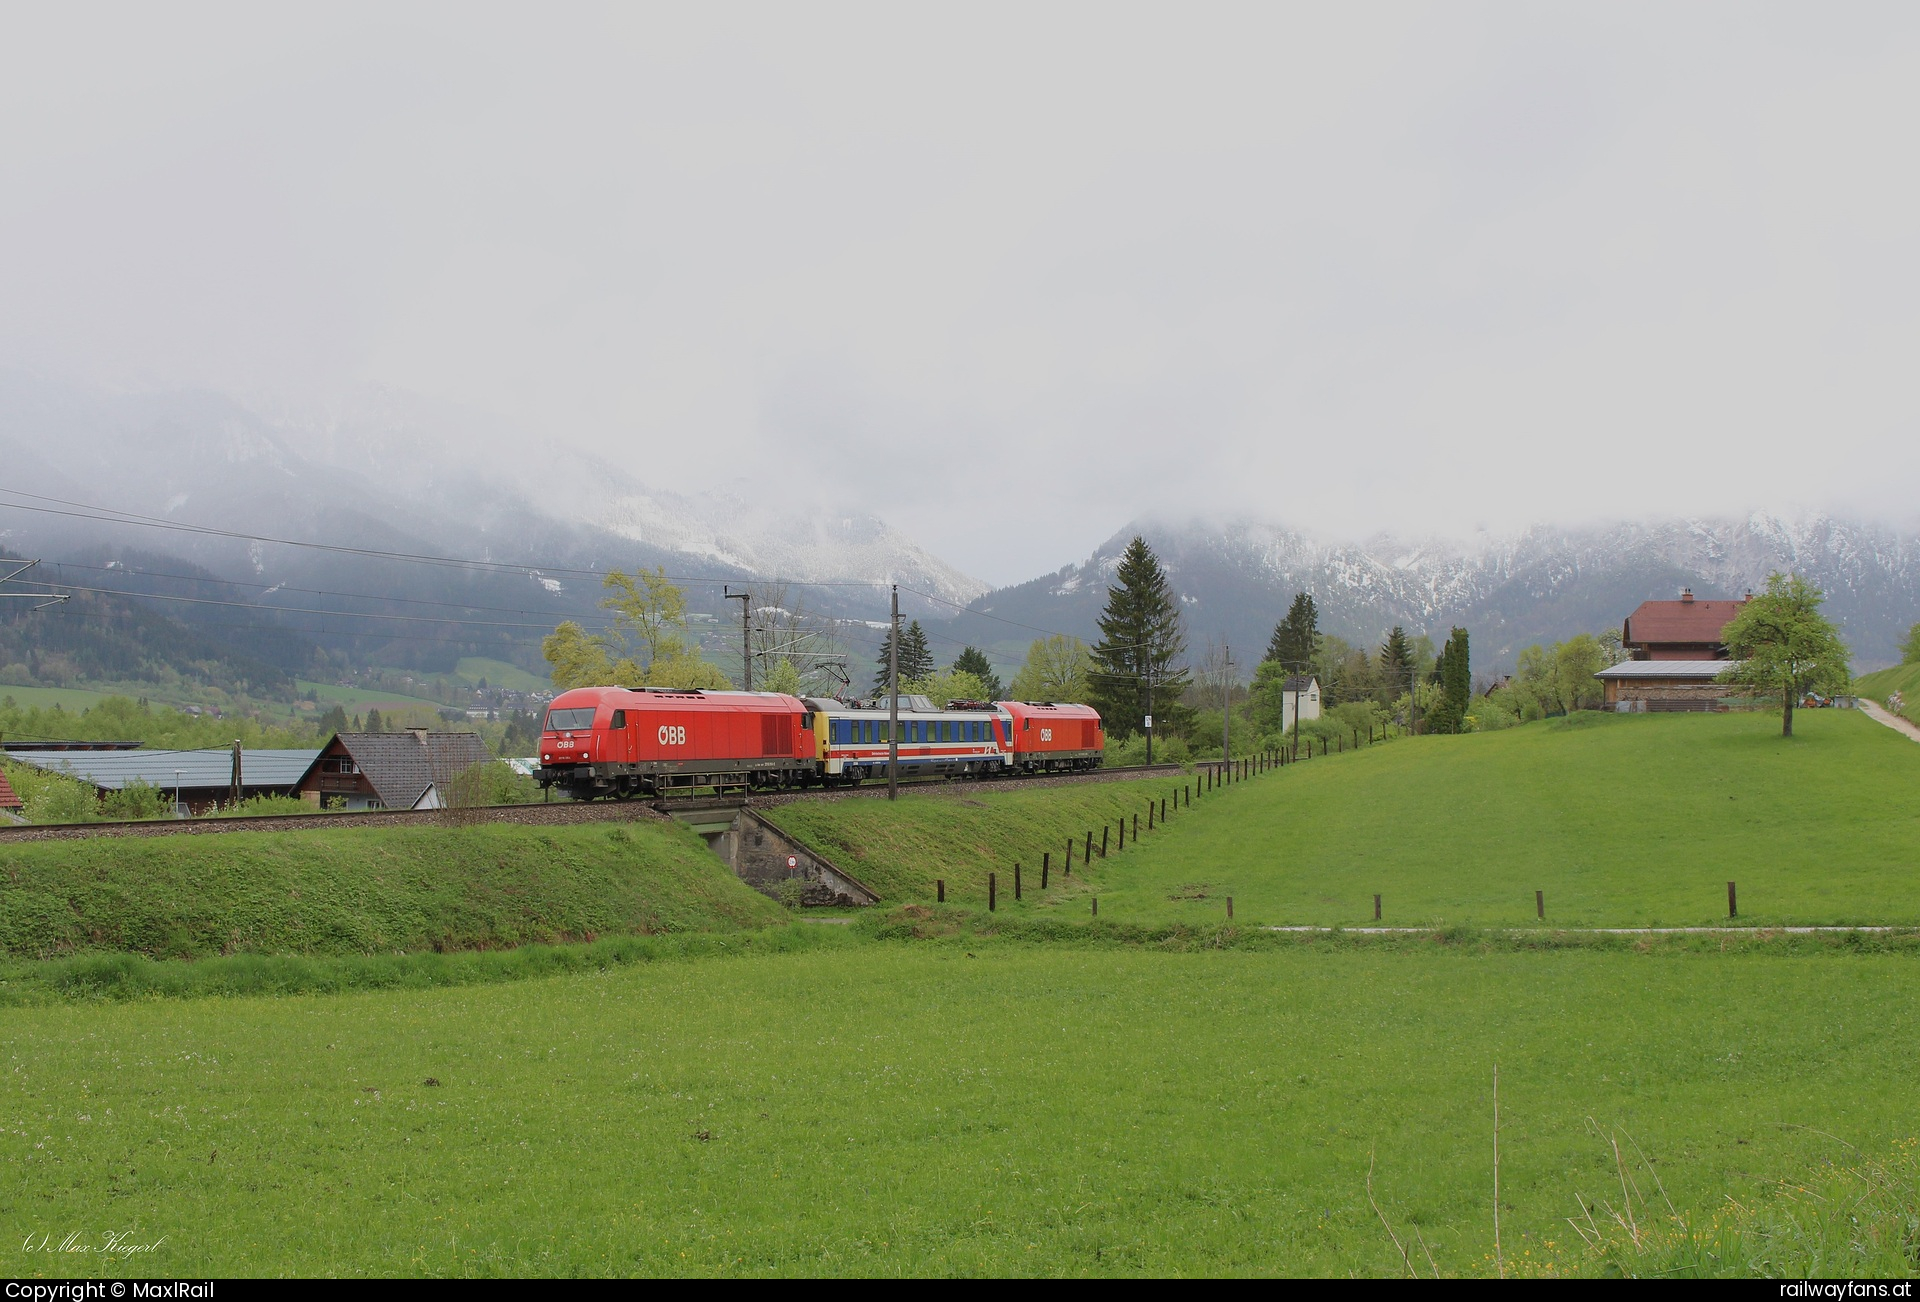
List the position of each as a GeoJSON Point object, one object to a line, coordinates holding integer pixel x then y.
{"type": "Point", "coordinates": [1540, 903]}
{"type": "Point", "coordinates": [940, 890]}
{"type": "Point", "coordinates": [1069, 869]}
{"type": "Point", "coordinates": [1104, 829]}
{"type": "Point", "coordinates": [1149, 815]}
{"type": "Point", "coordinates": [1096, 906]}
{"type": "Point", "coordinates": [1163, 808]}
{"type": "Point", "coordinates": [1016, 880]}
{"type": "Point", "coordinates": [1229, 908]}
{"type": "Point", "coordinates": [1733, 907]}
{"type": "Point", "coordinates": [1376, 908]}
{"type": "Point", "coordinates": [1046, 864]}
{"type": "Point", "coordinates": [991, 901]}
{"type": "Point", "coordinates": [1136, 824]}
{"type": "Point", "coordinates": [1123, 831]}
{"type": "Point", "coordinates": [1087, 858]}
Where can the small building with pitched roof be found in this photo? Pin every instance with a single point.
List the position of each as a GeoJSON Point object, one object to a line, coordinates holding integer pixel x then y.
{"type": "Point", "coordinates": [1687, 629]}
{"type": "Point", "coordinates": [390, 770]}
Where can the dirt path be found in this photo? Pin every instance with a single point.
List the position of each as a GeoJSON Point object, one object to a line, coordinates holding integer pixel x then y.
{"type": "Point", "coordinates": [1879, 715]}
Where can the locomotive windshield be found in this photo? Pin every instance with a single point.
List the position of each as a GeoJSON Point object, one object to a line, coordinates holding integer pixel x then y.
{"type": "Point", "coordinates": [570, 720]}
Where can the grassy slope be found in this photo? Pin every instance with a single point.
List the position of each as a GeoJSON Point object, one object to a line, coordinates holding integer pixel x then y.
{"type": "Point", "coordinates": [363, 890]}
{"type": "Point", "coordinates": [1904, 679]}
{"type": "Point", "coordinates": [900, 849]}
{"type": "Point", "coordinates": [500, 675]}
{"type": "Point", "coordinates": [1030, 1110]}
{"type": "Point", "coordinates": [1621, 820]}
{"type": "Point", "coordinates": [71, 699]}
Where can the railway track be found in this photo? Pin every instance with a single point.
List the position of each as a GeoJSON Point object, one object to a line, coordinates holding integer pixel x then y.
{"type": "Point", "coordinates": [559, 814]}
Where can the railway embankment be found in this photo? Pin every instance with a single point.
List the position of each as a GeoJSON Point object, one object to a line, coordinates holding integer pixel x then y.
{"type": "Point", "coordinates": [367, 890]}
{"type": "Point", "coordinates": [902, 850]}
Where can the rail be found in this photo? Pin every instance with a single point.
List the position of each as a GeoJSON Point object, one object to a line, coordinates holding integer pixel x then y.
{"type": "Point", "coordinates": [556, 814]}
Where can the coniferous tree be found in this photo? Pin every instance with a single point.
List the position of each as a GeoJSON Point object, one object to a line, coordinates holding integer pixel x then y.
{"type": "Point", "coordinates": [334, 720]}
{"type": "Point", "coordinates": [1454, 674]}
{"type": "Point", "coordinates": [373, 721]}
{"type": "Point", "coordinates": [1296, 639]}
{"type": "Point", "coordinates": [974, 661]}
{"type": "Point", "coordinates": [916, 657]}
{"type": "Point", "coordinates": [1396, 657]}
{"type": "Point", "coordinates": [1138, 669]}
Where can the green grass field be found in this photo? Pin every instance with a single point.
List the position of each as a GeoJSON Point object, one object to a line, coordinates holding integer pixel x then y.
{"type": "Point", "coordinates": [365, 890]}
{"type": "Point", "coordinates": [500, 675]}
{"type": "Point", "coordinates": [1620, 820]}
{"type": "Point", "coordinates": [355, 700]}
{"type": "Point", "coordinates": [71, 699]}
{"type": "Point", "coordinates": [928, 1092]}
{"type": "Point", "coordinates": [892, 1109]}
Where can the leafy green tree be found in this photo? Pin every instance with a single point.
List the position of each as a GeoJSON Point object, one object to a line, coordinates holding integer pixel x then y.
{"type": "Point", "coordinates": [646, 643]}
{"type": "Point", "coordinates": [1138, 666]}
{"type": "Point", "coordinates": [782, 677]}
{"type": "Point", "coordinates": [1057, 668]}
{"type": "Point", "coordinates": [974, 661]}
{"type": "Point", "coordinates": [1296, 639]}
{"type": "Point", "coordinates": [1783, 644]}
{"type": "Point", "coordinates": [953, 685]}
{"type": "Point", "coordinates": [1910, 649]}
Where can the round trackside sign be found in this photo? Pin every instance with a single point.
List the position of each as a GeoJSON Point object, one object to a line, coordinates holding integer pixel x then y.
{"type": "Point", "coordinates": [793, 861]}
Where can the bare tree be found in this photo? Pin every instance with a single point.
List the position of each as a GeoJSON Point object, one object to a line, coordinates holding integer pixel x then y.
{"type": "Point", "coordinates": [782, 628]}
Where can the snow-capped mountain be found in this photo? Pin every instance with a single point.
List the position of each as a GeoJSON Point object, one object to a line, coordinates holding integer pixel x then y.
{"type": "Point", "coordinates": [1236, 580]}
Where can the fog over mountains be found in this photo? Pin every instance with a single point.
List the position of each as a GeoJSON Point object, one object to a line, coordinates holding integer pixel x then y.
{"type": "Point", "coordinates": [388, 473]}
{"type": "Point", "coordinates": [1236, 580]}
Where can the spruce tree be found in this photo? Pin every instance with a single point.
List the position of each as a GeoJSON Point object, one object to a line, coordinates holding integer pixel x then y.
{"type": "Point", "coordinates": [1395, 658]}
{"type": "Point", "coordinates": [1137, 669]}
{"type": "Point", "coordinates": [373, 721]}
{"type": "Point", "coordinates": [974, 661]}
{"type": "Point", "coordinates": [1455, 675]}
{"type": "Point", "coordinates": [880, 679]}
{"type": "Point", "coordinates": [1296, 639]}
{"type": "Point", "coordinates": [916, 658]}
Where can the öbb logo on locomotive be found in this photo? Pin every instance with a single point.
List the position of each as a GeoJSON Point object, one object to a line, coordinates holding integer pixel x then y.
{"type": "Point", "coordinates": [592, 743]}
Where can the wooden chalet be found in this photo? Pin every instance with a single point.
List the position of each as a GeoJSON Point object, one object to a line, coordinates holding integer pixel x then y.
{"type": "Point", "coordinates": [1676, 656]}
{"type": "Point", "coordinates": [390, 770]}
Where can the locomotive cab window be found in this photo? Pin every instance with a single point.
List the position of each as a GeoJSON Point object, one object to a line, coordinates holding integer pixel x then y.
{"type": "Point", "coordinates": [619, 719]}
{"type": "Point", "coordinates": [569, 720]}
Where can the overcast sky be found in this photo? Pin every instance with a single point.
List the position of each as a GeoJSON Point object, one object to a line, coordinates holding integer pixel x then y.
{"type": "Point", "coordinates": [1009, 276]}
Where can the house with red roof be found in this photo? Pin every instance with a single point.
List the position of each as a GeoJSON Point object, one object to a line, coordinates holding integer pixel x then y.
{"type": "Point", "coordinates": [1686, 629]}
{"type": "Point", "coordinates": [1676, 656]}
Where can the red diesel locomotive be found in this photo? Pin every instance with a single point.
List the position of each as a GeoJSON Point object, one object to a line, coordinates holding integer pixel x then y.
{"type": "Point", "coordinates": [621, 742]}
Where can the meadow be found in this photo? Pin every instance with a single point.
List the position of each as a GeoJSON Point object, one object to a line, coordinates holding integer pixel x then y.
{"type": "Point", "coordinates": [1620, 820]}
{"type": "Point", "coordinates": [968, 1108]}
{"type": "Point", "coordinates": [365, 890]}
{"type": "Point", "coordinates": [928, 1090]}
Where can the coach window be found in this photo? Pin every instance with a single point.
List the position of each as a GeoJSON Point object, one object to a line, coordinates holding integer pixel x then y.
{"type": "Point", "coordinates": [619, 719]}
